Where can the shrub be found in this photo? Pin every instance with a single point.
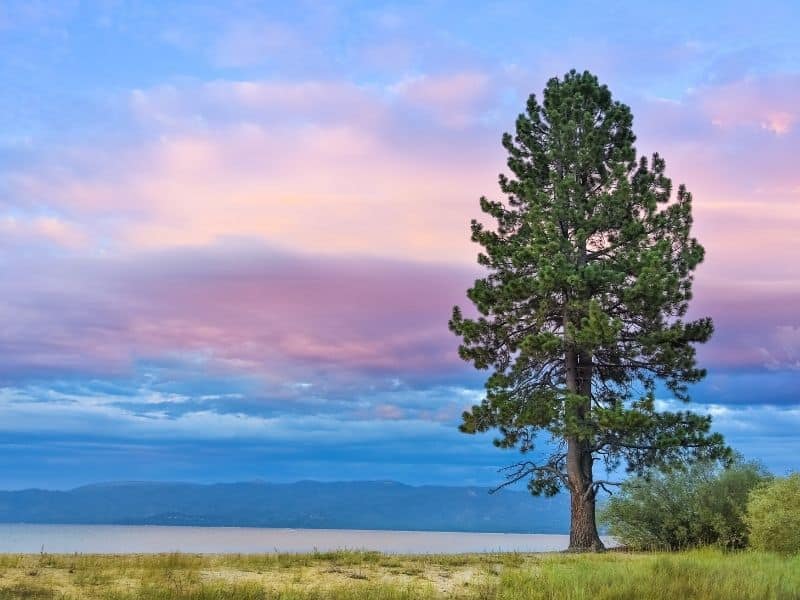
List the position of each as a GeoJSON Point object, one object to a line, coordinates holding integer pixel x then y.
{"type": "Point", "coordinates": [704, 504]}
{"type": "Point", "coordinates": [773, 515]}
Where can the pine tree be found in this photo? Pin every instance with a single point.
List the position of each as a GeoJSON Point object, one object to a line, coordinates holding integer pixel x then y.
{"type": "Point", "coordinates": [590, 267]}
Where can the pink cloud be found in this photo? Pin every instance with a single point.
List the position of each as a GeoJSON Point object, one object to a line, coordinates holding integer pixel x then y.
{"type": "Point", "coordinates": [359, 195]}
{"type": "Point", "coordinates": [30, 231]}
{"type": "Point", "coordinates": [743, 177]}
{"type": "Point", "coordinates": [389, 412]}
{"type": "Point", "coordinates": [784, 350]}
{"type": "Point", "coordinates": [278, 317]}
{"type": "Point", "coordinates": [333, 167]}
{"type": "Point", "coordinates": [750, 320]}
{"type": "Point", "coordinates": [771, 103]}
{"type": "Point", "coordinates": [290, 320]}
{"type": "Point", "coordinates": [320, 167]}
{"type": "Point", "coordinates": [206, 104]}
{"type": "Point", "coordinates": [734, 142]}
{"type": "Point", "coordinates": [456, 100]}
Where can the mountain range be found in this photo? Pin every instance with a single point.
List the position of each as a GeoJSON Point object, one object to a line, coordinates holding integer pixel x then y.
{"type": "Point", "coordinates": [385, 505]}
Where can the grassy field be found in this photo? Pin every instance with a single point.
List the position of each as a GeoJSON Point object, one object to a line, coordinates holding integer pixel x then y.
{"type": "Point", "coordinates": [372, 576]}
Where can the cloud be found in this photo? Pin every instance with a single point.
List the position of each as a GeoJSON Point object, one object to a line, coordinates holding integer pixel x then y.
{"type": "Point", "coordinates": [785, 352]}
{"type": "Point", "coordinates": [257, 219]}
{"type": "Point", "coordinates": [245, 329]}
{"type": "Point", "coordinates": [745, 331]}
{"type": "Point", "coordinates": [331, 166]}
{"type": "Point", "coordinates": [282, 229]}
{"type": "Point", "coordinates": [95, 432]}
{"type": "Point", "coordinates": [219, 102]}
{"type": "Point", "coordinates": [766, 432]}
{"type": "Point", "coordinates": [770, 103]}
{"type": "Point", "coordinates": [456, 100]}
{"type": "Point", "coordinates": [282, 316]}
{"type": "Point", "coordinates": [144, 414]}
{"type": "Point", "coordinates": [717, 140]}
{"type": "Point", "coordinates": [26, 231]}
{"type": "Point", "coordinates": [313, 166]}
{"type": "Point", "coordinates": [313, 231]}
{"type": "Point", "coordinates": [252, 42]}
{"type": "Point", "coordinates": [729, 140]}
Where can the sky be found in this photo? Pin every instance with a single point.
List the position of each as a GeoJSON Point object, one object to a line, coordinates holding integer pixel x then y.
{"type": "Point", "coordinates": [231, 234]}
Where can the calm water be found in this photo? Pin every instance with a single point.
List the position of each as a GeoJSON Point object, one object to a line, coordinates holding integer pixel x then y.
{"type": "Point", "coordinates": [124, 538]}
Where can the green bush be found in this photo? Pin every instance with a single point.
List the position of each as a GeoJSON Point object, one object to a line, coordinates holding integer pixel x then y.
{"type": "Point", "coordinates": [773, 515]}
{"type": "Point", "coordinates": [704, 504]}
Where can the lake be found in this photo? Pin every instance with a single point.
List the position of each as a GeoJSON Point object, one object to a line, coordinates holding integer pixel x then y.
{"type": "Point", "coordinates": [118, 539]}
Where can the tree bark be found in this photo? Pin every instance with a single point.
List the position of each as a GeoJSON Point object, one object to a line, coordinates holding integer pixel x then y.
{"type": "Point", "coordinates": [583, 534]}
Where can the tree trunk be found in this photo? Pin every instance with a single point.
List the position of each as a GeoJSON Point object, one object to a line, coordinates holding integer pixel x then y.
{"type": "Point", "coordinates": [583, 536]}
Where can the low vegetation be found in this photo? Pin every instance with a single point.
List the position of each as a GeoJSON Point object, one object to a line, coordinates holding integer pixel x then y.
{"type": "Point", "coordinates": [773, 515]}
{"type": "Point", "coordinates": [708, 574]}
{"type": "Point", "coordinates": [705, 504]}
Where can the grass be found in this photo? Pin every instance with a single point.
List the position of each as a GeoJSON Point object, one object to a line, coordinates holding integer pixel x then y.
{"type": "Point", "coordinates": [701, 574]}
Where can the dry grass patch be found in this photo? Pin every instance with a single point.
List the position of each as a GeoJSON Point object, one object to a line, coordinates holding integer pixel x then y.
{"type": "Point", "coordinates": [710, 575]}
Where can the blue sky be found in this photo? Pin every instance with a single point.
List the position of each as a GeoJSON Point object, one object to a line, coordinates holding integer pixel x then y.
{"type": "Point", "coordinates": [232, 233]}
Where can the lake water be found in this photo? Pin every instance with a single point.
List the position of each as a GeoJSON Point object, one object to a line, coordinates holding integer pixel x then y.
{"type": "Point", "coordinates": [211, 540]}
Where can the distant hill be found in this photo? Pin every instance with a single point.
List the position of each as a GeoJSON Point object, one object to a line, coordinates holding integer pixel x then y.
{"type": "Point", "coordinates": [305, 504]}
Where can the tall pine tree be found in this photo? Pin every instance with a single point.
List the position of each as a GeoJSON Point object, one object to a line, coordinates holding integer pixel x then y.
{"type": "Point", "coordinates": [582, 312]}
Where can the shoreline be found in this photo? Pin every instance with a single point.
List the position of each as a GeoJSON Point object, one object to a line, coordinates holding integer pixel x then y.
{"type": "Point", "coordinates": [160, 539]}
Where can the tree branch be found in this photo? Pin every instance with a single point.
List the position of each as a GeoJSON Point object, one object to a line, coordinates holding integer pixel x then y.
{"type": "Point", "coordinates": [523, 469]}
